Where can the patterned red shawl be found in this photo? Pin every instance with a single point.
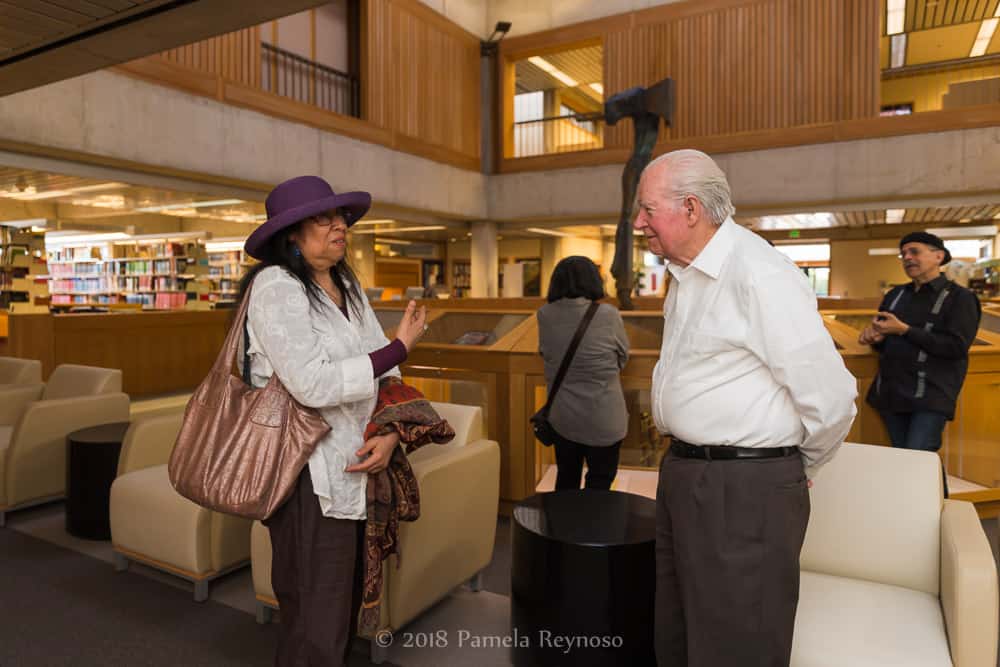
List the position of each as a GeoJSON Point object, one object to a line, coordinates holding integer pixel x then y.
{"type": "Point", "coordinates": [392, 494]}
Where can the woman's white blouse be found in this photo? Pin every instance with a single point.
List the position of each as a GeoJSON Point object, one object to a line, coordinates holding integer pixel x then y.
{"type": "Point", "coordinates": [322, 359]}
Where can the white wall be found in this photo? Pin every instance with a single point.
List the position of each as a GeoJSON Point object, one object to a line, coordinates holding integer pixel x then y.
{"type": "Point", "coordinates": [470, 14]}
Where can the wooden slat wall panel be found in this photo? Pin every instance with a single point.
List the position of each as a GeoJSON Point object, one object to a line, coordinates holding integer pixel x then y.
{"type": "Point", "coordinates": [425, 81]}
{"type": "Point", "coordinates": [234, 56]}
{"type": "Point", "coordinates": [752, 66]}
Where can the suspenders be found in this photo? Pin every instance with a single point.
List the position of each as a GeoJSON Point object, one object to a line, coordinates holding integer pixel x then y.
{"type": "Point", "coordinates": [935, 315]}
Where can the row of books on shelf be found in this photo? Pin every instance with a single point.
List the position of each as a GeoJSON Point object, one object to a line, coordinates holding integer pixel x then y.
{"type": "Point", "coordinates": [120, 268]}
{"type": "Point", "coordinates": [157, 301]}
{"type": "Point", "coordinates": [98, 284]}
{"type": "Point", "coordinates": [118, 251]}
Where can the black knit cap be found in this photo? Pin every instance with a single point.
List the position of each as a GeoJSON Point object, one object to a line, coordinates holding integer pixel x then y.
{"type": "Point", "coordinates": [926, 239]}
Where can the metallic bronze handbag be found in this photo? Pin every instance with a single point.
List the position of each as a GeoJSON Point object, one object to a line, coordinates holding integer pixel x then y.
{"type": "Point", "coordinates": [240, 450]}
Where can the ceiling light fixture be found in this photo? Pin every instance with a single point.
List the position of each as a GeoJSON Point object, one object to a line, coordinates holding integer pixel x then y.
{"type": "Point", "coordinates": [188, 205]}
{"type": "Point", "coordinates": [30, 193]}
{"type": "Point", "coordinates": [598, 88]}
{"type": "Point", "coordinates": [895, 16]}
{"type": "Point", "coordinates": [986, 31]}
{"type": "Point", "coordinates": [894, 216]}
{"type": "Point", "coordinates": [550, 232]}
{"type": "Point", "coordinates": [425, 228]}
{"type": "Point", "coordinates": [549, 68]}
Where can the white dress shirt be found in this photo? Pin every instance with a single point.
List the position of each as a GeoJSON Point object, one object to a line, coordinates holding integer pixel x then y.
{"type": "Point", "coordinates": [746, 360]}
{"type": "Point", "coordinates": [322, 359]}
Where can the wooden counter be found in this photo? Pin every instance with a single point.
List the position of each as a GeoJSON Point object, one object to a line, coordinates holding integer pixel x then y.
{"type": "Point", "coordinates": [158, 352]}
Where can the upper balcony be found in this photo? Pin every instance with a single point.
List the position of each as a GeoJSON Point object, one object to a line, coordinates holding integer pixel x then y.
{"type": "Point", "coordinates": [751, 75]}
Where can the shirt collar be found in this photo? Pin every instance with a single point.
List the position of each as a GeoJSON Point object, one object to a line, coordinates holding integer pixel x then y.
{"type": "Point", "coordinates": [711, 258]}
{"type": "Point", "coordinates": [936, 285]}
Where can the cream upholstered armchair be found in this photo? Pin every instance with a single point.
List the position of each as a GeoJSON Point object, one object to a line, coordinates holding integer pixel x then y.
{"type": "Point", "coordinates": [154, 525]}
{"type": "Point", "coordinates": [15, 371]}
{"type": "Point", "coordinates": [452, 541]}
{"type": "Point", "coordinates": [34, 422]}
{"type": "Point", "coordinates": [892, 574]}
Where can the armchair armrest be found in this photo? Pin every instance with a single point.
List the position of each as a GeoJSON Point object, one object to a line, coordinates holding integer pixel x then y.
{"type": "Point", "coordinates": [15, 399]}
{"type": "Point", "coordinates": [968, 586]}
{"type": "Point", "coordinates": [454, 536]}
{"type": "Point", "coordinates": [36, 463]}
{"type": "Point", "coordinates": [150, 440]}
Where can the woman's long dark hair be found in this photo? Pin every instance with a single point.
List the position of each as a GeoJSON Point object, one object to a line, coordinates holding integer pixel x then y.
{"type": "Point", "coordinates": [573, 277]}
{"type": "Point", "coordinates": [281, 252]}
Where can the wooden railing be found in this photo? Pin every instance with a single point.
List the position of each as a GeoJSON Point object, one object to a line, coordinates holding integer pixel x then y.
{"type": "Point", "coordinates": [289, 75]}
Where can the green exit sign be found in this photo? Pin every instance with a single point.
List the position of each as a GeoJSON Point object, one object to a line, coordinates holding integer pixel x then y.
{"type": "Point", "coordinates": [793, 234]}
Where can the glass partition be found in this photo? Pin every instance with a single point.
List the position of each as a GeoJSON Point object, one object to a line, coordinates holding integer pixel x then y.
{"type": "Point", "coordinates": [472, 328]}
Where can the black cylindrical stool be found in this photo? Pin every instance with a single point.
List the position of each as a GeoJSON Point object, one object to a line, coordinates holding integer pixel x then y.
{"type": "Point", "coordinates": [91, 466]}
{"type": "Point", "coordinates": [583, 575]}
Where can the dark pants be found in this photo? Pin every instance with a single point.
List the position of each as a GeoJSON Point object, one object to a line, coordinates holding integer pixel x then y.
{"type": "Point", "coordinates": [316, 573]}
{"type": "Point", "coordinates": [602, 464]}
{"type": "Point", "coordinates": [917, 430]}
{"type": "Point", "coordinates": [728, 537]}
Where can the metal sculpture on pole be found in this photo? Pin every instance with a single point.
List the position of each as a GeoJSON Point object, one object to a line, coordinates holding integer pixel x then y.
{"type": "Point", "coordinates": [645, 106]}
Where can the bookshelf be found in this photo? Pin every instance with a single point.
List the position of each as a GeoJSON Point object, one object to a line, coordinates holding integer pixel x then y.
{"type": "Point", "coordinates": [23, 279]}
{"type": "Point", "coordinates": [461, 277]}
{"type": "Point", "coordinates": [225, 265]}
{"type": "Point", "coordinates": [151, 274]}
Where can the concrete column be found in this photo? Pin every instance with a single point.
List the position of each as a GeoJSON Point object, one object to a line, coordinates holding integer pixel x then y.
{"type": "Point", "coordinates": [361, 256]}
{"type": "Point", "coordinates": [485, 264]}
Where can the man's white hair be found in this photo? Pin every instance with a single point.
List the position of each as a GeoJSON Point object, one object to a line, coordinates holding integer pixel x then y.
{"type": "Point", "coordinates": [691, 173]}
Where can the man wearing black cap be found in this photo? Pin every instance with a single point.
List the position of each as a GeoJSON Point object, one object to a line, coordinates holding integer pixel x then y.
{"type": "Point", "coordinates": [922, 332]}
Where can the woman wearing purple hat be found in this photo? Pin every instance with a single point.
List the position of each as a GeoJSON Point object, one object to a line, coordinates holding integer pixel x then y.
{"type": "Point", "coordinates": [310, 323]}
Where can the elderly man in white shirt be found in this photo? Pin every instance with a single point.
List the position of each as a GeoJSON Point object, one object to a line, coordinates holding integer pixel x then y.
{"type": "Point", "coordinates": [756, 397]}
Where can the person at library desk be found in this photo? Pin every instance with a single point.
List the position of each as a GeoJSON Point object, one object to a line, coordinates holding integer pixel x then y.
{"type": "Point", "coordinates": [588, 413]}
{"type": "Point", "coordinates": [755, 397]}
{"type": "Point", "coordinates": [310, 323]}
{"type": "Point", "coordinates": [923, 333]}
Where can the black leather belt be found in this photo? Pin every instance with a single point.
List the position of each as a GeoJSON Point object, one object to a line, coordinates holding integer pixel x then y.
{"type": "Point", "coordinates": [686, 450]}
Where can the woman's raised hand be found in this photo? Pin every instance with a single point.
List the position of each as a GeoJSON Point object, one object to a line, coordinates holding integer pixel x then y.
{"type": "Point", "coordinates": [413, 325]}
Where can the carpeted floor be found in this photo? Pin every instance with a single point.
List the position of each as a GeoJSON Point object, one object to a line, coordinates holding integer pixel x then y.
{"type": "Point", "coordinates": [64, 608]}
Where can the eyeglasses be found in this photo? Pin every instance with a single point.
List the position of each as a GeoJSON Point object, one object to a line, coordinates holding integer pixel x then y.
{"type": "Point", "coordinates": [325, 219]}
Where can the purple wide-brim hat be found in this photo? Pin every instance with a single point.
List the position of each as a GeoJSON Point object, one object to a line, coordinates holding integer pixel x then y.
{"type": "Point", "coordinates": [300, 198]}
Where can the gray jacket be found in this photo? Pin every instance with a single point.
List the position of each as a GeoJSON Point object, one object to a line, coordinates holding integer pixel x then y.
{"type": "Point", "coordinates": [590, 406]}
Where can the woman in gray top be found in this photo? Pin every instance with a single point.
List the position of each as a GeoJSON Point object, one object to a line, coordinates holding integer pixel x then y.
{"type": "Point", "coordinates": [588, 413]}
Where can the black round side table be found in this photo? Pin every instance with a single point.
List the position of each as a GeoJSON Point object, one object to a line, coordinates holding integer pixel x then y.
{"type": "Point", "coordinates": [91, 467]}
{"type": "Point", "coordinates": [583, 575]}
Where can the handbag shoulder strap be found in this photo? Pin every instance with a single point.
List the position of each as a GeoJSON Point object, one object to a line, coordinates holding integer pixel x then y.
{"type": "Point", "coordinates": [227, 354]}
{"type": "Point", "coordinates": [570, 351]}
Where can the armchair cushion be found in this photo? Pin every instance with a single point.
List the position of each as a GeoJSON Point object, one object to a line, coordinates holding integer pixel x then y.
{"type": "Point", "coordinates": [72, 380]}
{"type": "Point", "coordinates": [454, 538]}
{"type": "Point", "coordinates": [14, 400]}
{"type": "Point", "coordinates": [843, 621]}
{"type": "Point", "coordinates": [36, 457]}
{"type": "Point", "coordinates": [150, 440]}
{"type": "Point", "coordinates": [884, 503]}
{"type": "Point", "coordinates": [20, 371]}
{"type": "Point", "coordinates": [150, 519]}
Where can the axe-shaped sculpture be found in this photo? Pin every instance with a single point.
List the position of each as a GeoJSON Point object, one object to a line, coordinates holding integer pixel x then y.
{"type": "Point", "coordinates": [645, 106]}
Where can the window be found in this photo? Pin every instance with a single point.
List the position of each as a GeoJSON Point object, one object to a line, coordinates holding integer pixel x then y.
{"type": "Point", "coordinates": [558, 102]}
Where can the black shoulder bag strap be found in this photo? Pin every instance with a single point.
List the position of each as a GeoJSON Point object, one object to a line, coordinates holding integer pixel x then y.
{"type": "Point", "coordinates": [570, 351]}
